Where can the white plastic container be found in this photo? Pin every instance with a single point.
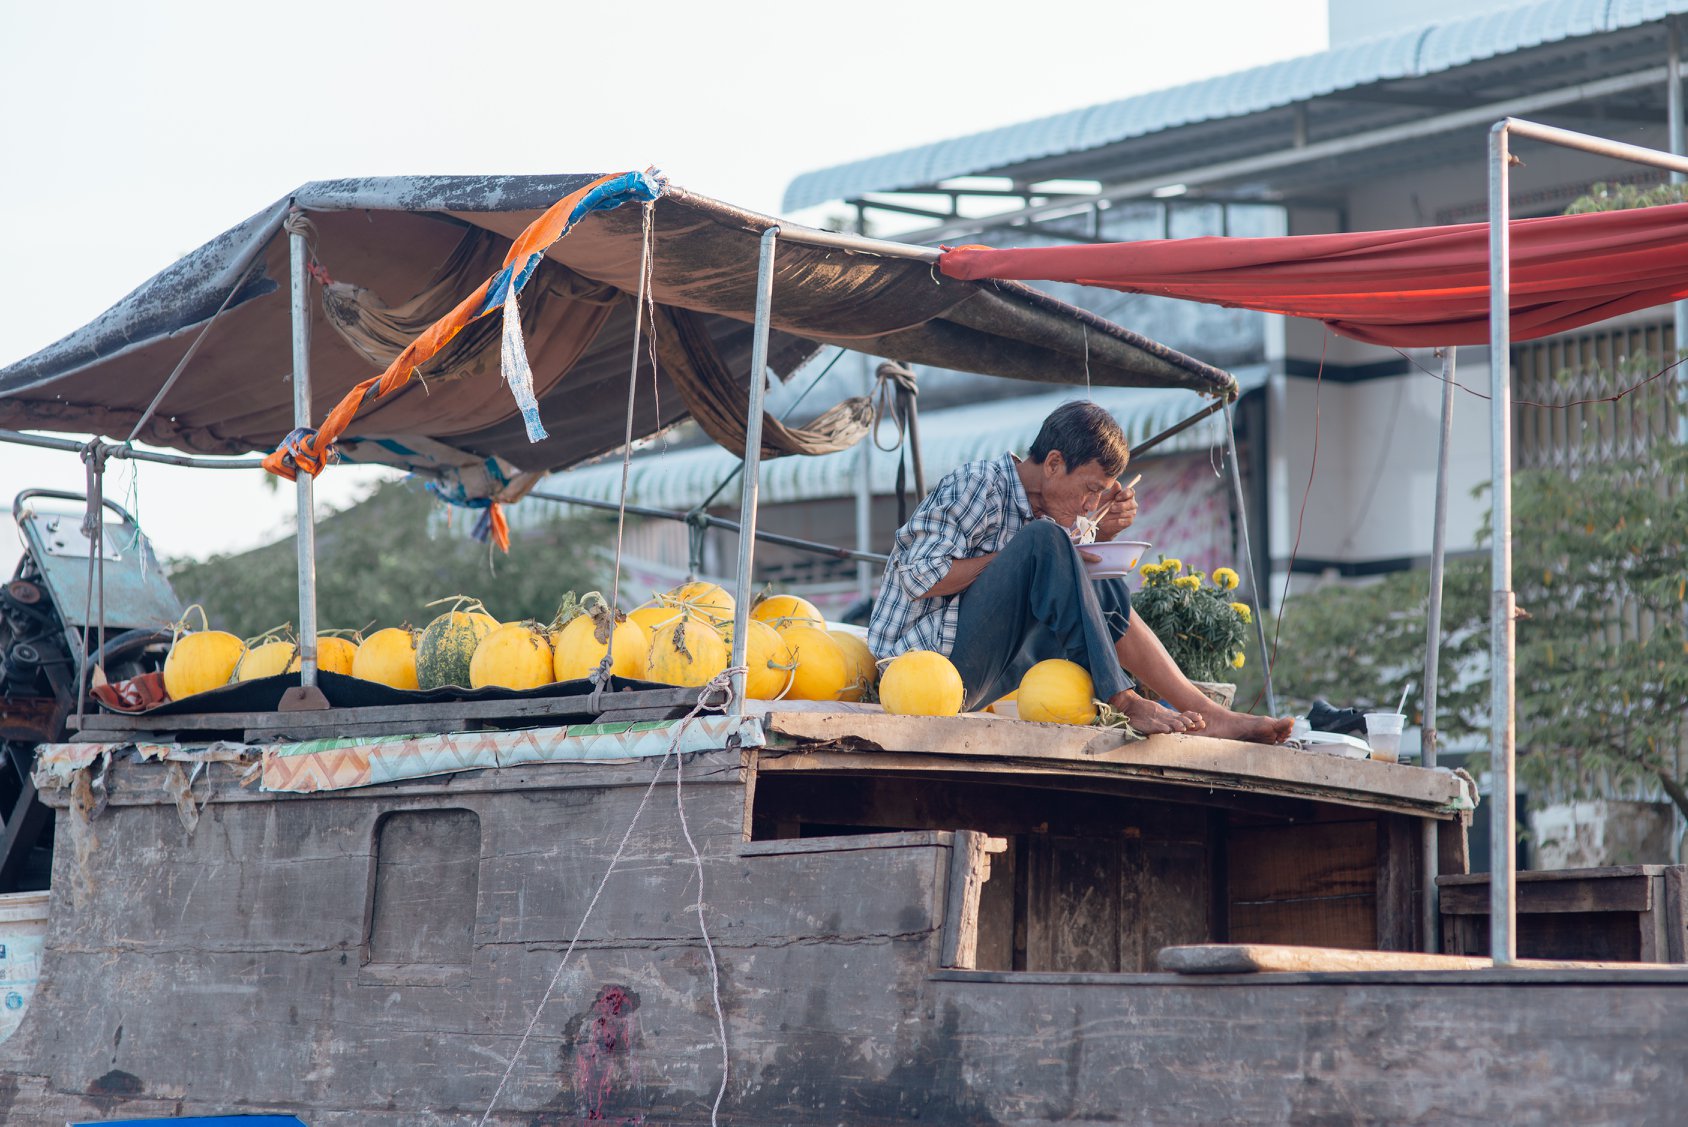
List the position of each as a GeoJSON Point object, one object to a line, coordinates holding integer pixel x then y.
{"type": "Point", "coordinates": [23, 931]}
{"type": "Point", "coordinates": [1383, 733]}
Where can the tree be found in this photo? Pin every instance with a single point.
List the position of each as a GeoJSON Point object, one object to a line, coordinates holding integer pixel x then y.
{"type": "Point", "coordinates": [382, 560]}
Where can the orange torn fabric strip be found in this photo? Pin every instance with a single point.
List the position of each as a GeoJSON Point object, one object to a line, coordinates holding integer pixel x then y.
{"type": "Point", "coordinates": [309, 451]}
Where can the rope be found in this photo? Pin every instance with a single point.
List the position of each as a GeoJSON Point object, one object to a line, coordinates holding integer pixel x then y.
{"type": "Point", "coordinates": [898, 380]}
{"type": "Point", "coordinates": [722, 685]}
{"type": "Point", "coordinates": [703, 929]}
{"type": "Point", "coordinates": [94, 456]}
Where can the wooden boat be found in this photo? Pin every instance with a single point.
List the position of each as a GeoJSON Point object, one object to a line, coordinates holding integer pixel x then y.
{"type": "Point", "coordinates": [632, 908]}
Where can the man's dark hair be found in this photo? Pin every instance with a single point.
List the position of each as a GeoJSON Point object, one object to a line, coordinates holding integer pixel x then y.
{"type": "Point", "coordinates": [1083, 432]}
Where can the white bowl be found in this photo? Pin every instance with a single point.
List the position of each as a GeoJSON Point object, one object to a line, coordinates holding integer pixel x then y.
{"type": "Point", "coordinates": [1118, 557]}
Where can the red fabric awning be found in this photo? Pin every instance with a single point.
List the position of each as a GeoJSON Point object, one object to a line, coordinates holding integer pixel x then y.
{"type": "Point", "coordinates": [1420, 287]}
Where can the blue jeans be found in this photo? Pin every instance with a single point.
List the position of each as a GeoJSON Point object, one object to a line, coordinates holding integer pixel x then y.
{"type": "Point", "coordinates": [1034, 602]}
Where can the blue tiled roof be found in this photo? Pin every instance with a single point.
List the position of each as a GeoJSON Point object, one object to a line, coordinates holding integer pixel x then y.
{"type": "Point", "coordinates": [1409, 54]}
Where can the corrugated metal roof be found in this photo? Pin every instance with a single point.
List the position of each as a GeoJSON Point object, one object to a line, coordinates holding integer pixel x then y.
{"type": "Point", "coordinates": [682, 478]}
{"type": "Point", "coordinates": [1409, 54]}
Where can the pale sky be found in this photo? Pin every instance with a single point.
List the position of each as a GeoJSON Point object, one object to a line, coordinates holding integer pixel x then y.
{"type": "Point", "coordinates": [135, 132]}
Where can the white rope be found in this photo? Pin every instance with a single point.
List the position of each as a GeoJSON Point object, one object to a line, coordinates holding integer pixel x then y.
{"type": "Point", "coordinates": [722, 683]}
{"type": "Point", "coordinates": [647, 287]}
{"type": "Point", "coordinates": [703, 928]}
{"type": "Point", "coordinates": [608, 662]}
{"type": "Point", "coordinates": [1085, 329]}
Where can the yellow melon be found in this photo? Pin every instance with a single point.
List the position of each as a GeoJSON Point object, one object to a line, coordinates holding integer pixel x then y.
{"type": "Point", "coordinates": [1057, 692]}
{"type": "Point", "coordinates": [336, 654]}
{"type": "Point", "coordinates": [652, 615]}
{"type": "Point", "coordinates": [776, 607]}
{"type": "Point", "coordinates": [687, 651]}
{"type": "Point", "coordinates": [579, 649]}
{"type": "Point", "coordinates": [707, 599]}
{"type": "Point", "coordinates": [866, 669]}
{"type": "Point", "coordinates": [921, 683]}
{"type": "Point", "coordinates": [824, 671]}
{"type": "Point", "coordinates": [201, 661]}
{"type": "Point", "coordinates": [268, 659]}
{"type": "Point", "coordinates": [388, 657]}
{"type": "Point", "coordinates": [514, 656]}
{"type": "Point", "coordinates": [768, 662]}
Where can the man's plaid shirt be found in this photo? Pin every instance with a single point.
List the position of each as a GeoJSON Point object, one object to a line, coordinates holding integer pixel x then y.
{"type": "Point", "coordinates": [976, 509]}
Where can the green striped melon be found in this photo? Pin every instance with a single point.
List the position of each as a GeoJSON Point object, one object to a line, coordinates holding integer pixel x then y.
{"type": "Point", "coordinates": [447, 646]}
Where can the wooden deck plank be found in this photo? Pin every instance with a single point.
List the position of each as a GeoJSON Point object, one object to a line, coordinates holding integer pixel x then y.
{"type": "Point", "coordinates": [1261, 958]}
{"type": "Point", "coordinates": [833, 741]}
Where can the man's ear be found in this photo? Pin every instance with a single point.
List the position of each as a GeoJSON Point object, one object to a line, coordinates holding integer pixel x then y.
{"type": "Point", "coordinates": [1054, 463]}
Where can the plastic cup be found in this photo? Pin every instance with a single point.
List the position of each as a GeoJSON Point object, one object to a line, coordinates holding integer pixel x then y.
{"type": "Point", "coordinates": [1383, 733]}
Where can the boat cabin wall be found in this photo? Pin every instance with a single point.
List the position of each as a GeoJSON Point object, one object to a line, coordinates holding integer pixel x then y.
{"type": "Point", "coordinates": [374, 956]}
{"type": "Point", "coordinates": [1099, 882]}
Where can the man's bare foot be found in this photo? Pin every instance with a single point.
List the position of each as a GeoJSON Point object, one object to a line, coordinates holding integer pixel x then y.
{"type": "Point", "coordinates": [1228, 725]}
{"type": "Point", "coordinates": [1152, 719]}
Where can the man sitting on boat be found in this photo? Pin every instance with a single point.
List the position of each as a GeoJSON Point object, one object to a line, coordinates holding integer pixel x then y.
{"type": "Point", "coordinates": [986, 572]}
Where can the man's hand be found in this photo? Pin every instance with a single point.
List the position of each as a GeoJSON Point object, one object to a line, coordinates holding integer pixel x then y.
{"type": "Point", "coordinates": [1121, 511]}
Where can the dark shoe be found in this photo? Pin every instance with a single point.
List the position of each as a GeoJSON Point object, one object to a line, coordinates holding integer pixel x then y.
{"type": "Point", "coordinates": [1343, 721]}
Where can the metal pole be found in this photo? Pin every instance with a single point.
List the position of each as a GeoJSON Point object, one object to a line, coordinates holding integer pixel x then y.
{"type": "Point", "coordinates": [1438, 558]}
{"type": "Point", "coordinates": [1503, 839]}
{"type": "Point", "coordinates": [1433, 644]}
{"type": "Point", "coordinates": [713, 522]}
{"type": "Point", "coordinates": [752, 463]}
{"type": "Point", "coordinates": [1673, 104]}
{"type": "Point", "coordinates": [300, 254]}
{"type": "Point", "coordinates": [121, 450]}
{"type": "Point", "coordinates": [864, 494]}
{"type": "Point", "coordinates": [1248, 560]}
{"type": "Point", "coordinates": [864, 465]}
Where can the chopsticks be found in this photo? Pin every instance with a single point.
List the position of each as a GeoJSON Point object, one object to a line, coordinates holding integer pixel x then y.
{"type": "Point", "coordinates": [1093, 514]}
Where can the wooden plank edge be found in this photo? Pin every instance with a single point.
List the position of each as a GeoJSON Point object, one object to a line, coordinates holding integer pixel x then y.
{"type": "Point", "coordinates": [1265, 958]}
{"type": "Point", "coordinates": [776, 759]}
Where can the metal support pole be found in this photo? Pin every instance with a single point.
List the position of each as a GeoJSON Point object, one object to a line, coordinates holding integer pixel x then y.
{"type": "Point", "coordinates": [704, 519]}
{"type": "Point", "coordinates": [1503, 854]}
{"type": "Point", "coordinates": [1673, 105]}
{"type": "Point", "coordinates": [864, 494]}
{"type": "Point", "coordinates": [124, 450]}
{"type": "Point", "coordinates": [1248, 561]}
{"type": "Point", "coordinates": [752, 463]}
{"type": "Point", "coordinates": [1433, 639]}
{"type": "Point", "coordinates": [300, 255]}
{"type": "Point", "coordinates": [1503, 732]}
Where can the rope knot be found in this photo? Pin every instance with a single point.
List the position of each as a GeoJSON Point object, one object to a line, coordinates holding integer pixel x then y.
{"type": "Point", "coordinates": [722, 684]}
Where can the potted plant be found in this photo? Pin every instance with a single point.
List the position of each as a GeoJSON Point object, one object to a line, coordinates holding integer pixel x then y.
{"type": "Point", "coordinates": [1197, 620]}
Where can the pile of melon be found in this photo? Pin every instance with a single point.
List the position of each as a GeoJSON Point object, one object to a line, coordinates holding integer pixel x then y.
{"type": "Point", "coordinates": [680, 637]}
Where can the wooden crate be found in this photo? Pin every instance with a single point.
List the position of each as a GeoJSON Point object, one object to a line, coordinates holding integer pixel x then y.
{"type": "Point", "coordinates": [1626, 913]}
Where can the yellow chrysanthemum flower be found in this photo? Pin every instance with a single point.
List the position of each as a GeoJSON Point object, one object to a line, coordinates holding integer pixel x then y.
{"type": "Point", "coordinates": [1243, 612]}
{"type": "Point", "coordinates": [1189, 582]}
{"type": "Point", "coordinates": [1149, 571]}
{"type": "Point", "coordinates": [1237, 661]}
{"type": "Point", "coordinates": [1226, 578]}
{"type": "Point", "coordinates": [1174, 566]}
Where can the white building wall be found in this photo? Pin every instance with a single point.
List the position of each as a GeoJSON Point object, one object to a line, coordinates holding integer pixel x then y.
{"type": "Point", "coordinates": [1373, 487]}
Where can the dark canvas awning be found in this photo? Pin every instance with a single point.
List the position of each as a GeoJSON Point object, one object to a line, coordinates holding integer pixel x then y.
{"type": "Point", "coordinates": [398, 238]}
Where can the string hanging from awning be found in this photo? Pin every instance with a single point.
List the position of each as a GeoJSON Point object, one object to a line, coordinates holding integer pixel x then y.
{"type": "Point", "coordinates": [1416, 287]}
